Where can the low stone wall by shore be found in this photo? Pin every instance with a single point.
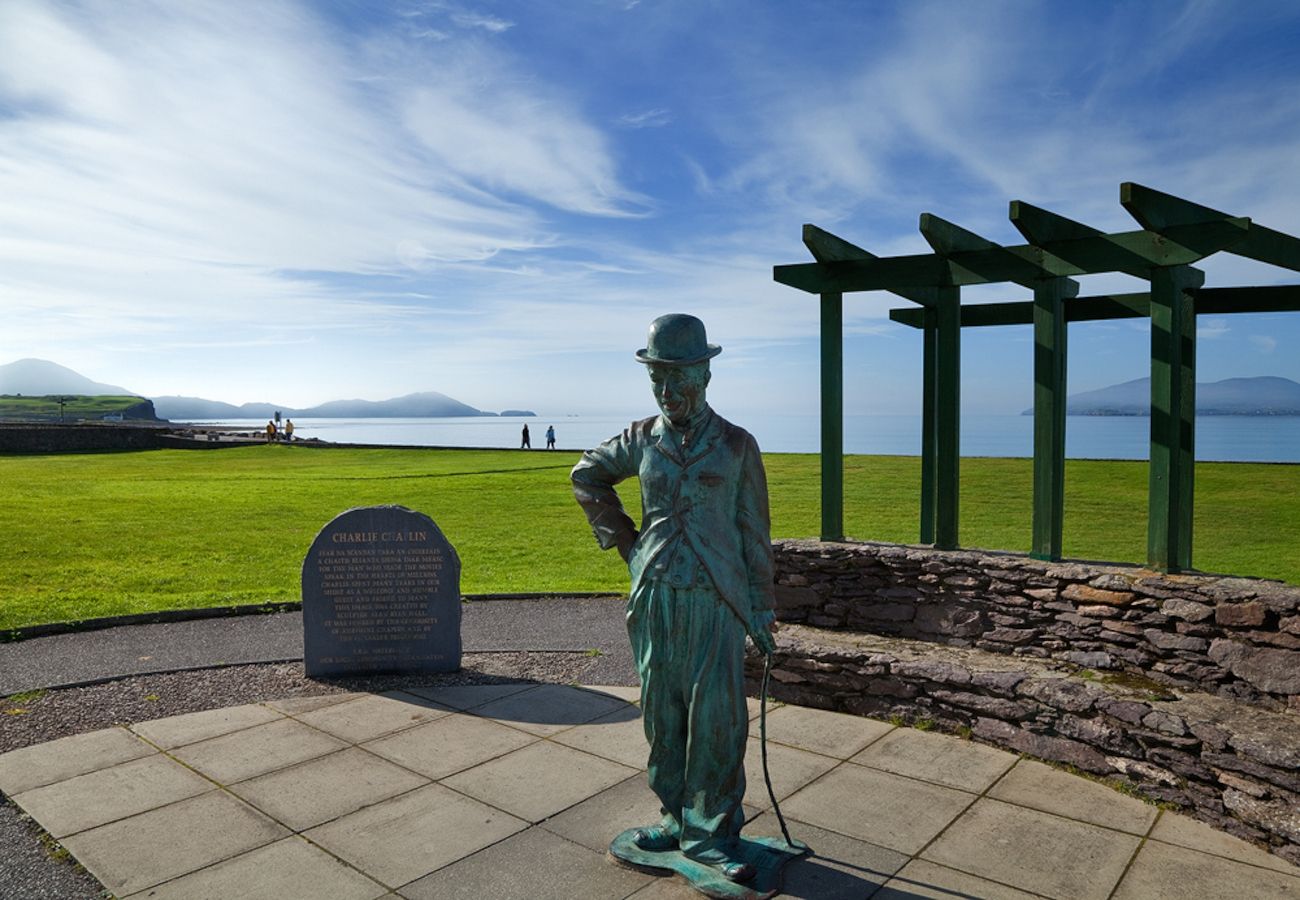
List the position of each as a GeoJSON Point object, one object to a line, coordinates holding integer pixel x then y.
{"type": "Point", "coordinates": [77, 437]}
{"type": "Point", "coordinates": [1185, 688]}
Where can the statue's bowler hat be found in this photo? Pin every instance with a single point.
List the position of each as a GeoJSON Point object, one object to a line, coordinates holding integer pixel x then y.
{"type": "Point", "coordinates": [677, 340]}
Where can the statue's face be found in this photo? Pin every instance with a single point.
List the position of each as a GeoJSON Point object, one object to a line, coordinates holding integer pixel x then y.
{"type": "Point", "coordinates": [679, 390]}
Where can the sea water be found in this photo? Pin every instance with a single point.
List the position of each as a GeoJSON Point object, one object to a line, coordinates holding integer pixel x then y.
{"type": "Point", "coordinates": [1228, 438]}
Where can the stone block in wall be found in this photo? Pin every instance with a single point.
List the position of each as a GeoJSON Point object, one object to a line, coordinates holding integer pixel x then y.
{"type": "Point", "coordinates": [1279, 815]}
{"type": "Point", "coordinates": [1273, 670]}
{"type": "Point", "coordinates": [1279, 597]}
{"type": "Point", "coordinates": [1188, 610]}
{"type": "Point", "coordinates": [949, 619]}
{"type": "Point", "coordinates": [1240, 615]}
{"type": "Point", "coordinates": [993, 707]}
{"type": "Point", "coordinates": [1061, 693]}
{"type": "Point", "coordinates": [1167, 641]}
{"type": "Point", "coordinates": [1085, 595]}
{"type": "Point", "coordinates": [1052, 749]}
{"type": "Point", "coordinates": [792, 597]}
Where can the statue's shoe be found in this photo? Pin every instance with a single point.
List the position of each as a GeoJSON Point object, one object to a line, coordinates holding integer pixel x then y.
{"type": "Point", "coordinates": [737, 871]}
{"type": "Point", "coordinates": [654, 837]}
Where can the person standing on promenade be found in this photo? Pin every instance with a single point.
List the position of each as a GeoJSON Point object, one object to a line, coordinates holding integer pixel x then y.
{"type": "Point", "coordinates": [270, 431]}
{"type": "Point", "coordinates": [701, 579]}
{"type": "Point", "coordinates": [523, 443]}
{"type": "Point", "coordinates": [550, 437]}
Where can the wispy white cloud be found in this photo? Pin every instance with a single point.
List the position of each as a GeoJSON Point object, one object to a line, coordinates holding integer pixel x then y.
{"type": "Point", "coordinates": [650, 118]}
{"type": "Point", "coordinates": [481, 20]}
{"type": "Point", "coordinates": [1265, 342]}
{"type": "Point", "coordinates": [1208, 328]}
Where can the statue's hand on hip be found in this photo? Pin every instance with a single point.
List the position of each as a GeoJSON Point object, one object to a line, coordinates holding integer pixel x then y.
{"type": "Point", "coordinates": [625, 543]}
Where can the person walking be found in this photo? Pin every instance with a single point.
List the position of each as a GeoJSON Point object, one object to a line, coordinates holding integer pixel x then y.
{"type": "Point", "coordinates": [270, 431]}
{"type": "Point", "coordinates": [550, 437]}
{"type": "Point", "coordinates": [524, 444]}
{"type": "Point", "coordinates": [288, 430]}
{"type": "Point", "coordinates": [701, 571]}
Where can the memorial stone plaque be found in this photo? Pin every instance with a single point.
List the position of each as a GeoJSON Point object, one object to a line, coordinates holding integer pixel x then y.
{"type": "Point", "coordinates": [381, 593]}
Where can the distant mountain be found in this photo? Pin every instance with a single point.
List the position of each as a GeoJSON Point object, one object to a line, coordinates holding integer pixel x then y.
{"type": "Point", "coordinates": [39, 377]}
{"type": "Point", "coordinates": [428, 404]}
{"type": "Point", "coordinates": [422, 405]}
{"type": "Point", "coordinates": [1261, 396]}
{"type": "Point", "coordinates": [198, 408]}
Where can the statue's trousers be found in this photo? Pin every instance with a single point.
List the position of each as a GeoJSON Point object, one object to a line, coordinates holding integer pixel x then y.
{"type": "Point", "coordinates": [689, 648]}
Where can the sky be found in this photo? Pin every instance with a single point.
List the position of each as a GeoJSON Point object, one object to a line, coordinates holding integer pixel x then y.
{"type": "Point", "coordinates": [296, 202]}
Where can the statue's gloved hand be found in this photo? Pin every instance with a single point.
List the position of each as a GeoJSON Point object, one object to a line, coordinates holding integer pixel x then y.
{"type": "Point", "coordinates": [761, 626]}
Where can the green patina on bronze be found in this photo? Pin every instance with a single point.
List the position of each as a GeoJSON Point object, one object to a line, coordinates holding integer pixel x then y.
{"type": "Point", "coordinates": [702, 579]}
{"type": "Point", "coordinates": [1174, 234]}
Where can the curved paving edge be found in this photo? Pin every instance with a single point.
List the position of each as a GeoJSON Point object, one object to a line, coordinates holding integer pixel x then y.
{"type": "Point", "coordinates": [515, 790]}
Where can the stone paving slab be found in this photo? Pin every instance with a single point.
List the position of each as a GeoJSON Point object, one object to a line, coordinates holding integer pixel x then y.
{"type": "Point", "coordinates": [32, 767]}
{"type": "Point", "coordinates": [613, 736]}
{"type": "Point", "coordinates": [551, 708]}
{"type": "Point", "coordinates": [257, 750]}
{"type": "Point", "coordinates": [827, 733]}
{"type": "Point", "coordinates": [512, 782]}
{"type": "Point", "coordinates": [895, 812]}
{"type": "Point", "coordinates": [1041, 787]}
{"type": "Point", "coordinates": [535, 864]}
{"type": "Point", "coordinates": [288, 868]}
{"type": "Point", "coordinates": [408, 837]}
{"type": "Point", "coordinates": [450, 744]}
{"type": "Point", "coordinates": [1035, 851]}
{"type": "Point", "coordinates": [1187, 832]}
{"type": "Point", "coordinates": [191, 728]}
{"type": "Point", "coordinates": [464, 804]}
{"type": "Point", "coordinates": [790, 768]}
{"type": "Point", "coordinates": [921, 878]}
{"type": "Point", "coordinates": [374, 715]}
{"type": "Point", "coordinates": [107, 795]}
{"type": "Point", "coordinates": [1165, 872]}
{"type": "Point", "coordinates": [136, 853]}
{"type": "Point", "coordinates": [937, 758]}
{"type": "Point", "coordinates": [322, 789]}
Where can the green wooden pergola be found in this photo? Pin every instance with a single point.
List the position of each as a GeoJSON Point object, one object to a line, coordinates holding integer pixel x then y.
{"type": "Point", "coordinates": [1173, 235]}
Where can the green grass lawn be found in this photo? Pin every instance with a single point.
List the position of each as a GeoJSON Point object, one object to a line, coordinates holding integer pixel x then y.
{"type": "Point", "coordinates": [103, 534]}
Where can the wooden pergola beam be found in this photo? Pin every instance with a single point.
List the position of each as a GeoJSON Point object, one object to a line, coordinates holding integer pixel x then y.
{"type": "Point", "coordinates": [1131, 252]}
{"type": "Point", "coordinates": [1209, 301]}
{"type": "Point", "coordinates": [1166, 214]}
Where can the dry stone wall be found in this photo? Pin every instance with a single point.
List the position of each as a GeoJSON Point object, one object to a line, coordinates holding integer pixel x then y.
{"type": "Point", "coordinates": [1186, 687]}
{"type": "Point", "coordinates": [1233, 637]}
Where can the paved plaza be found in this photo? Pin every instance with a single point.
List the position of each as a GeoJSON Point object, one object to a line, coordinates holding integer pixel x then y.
{"type": "Point", "coordinates": [515, 790]}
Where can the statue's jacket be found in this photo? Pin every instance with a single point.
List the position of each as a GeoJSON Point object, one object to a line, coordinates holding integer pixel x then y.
{"type": "Point", "coordinates": [705, 496]}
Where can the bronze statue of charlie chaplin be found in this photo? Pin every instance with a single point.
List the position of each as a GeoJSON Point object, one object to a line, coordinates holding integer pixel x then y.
{"type": "Point", "coordinates": [701, 580]}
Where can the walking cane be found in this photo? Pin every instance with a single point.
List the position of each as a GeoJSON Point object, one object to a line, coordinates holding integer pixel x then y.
{"type": "Point", "coordinates": [767, 776]}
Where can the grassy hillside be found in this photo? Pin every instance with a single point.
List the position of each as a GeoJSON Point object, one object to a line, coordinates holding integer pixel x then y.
{"type": "Point", "coordinates": [103, 534]}
{"type": "Point", "coordinates": [75, 407]}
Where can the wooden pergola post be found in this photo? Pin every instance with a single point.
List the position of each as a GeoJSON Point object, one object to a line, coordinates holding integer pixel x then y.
{"type": "Point", "coordinates": [832, 414]}
{"type": "Point", "coordinates": [947, 418]}
{"type": "Point", "coordinates": [1049, 416]}
{"type": "Point", "coordinates": [1173, 417]}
